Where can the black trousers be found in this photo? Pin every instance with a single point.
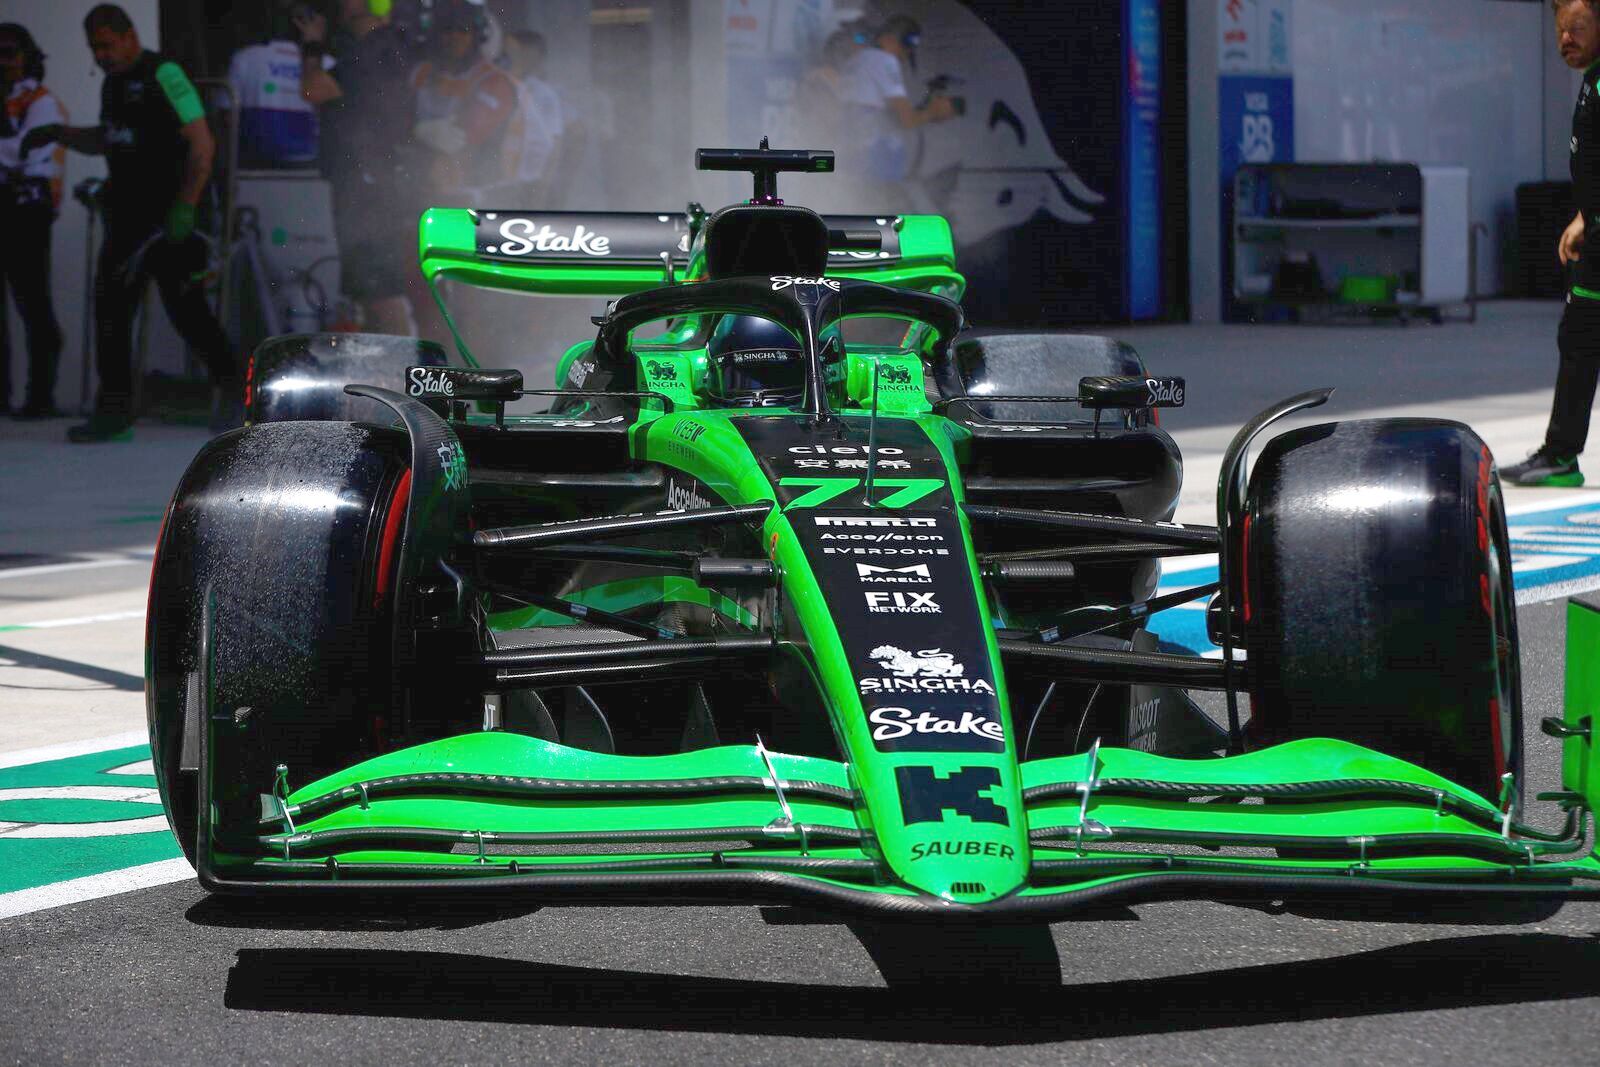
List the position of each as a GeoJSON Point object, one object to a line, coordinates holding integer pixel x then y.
{"type": "Point", "coordinates": [1579, 339]}
{"type": "Point", "coordinates": [25, 273]}
{"type": "Point", "coordinates": [128, 261]}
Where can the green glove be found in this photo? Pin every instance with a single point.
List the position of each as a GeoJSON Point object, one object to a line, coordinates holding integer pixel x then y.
{"type": "Point", "coordinates": [180, 221]}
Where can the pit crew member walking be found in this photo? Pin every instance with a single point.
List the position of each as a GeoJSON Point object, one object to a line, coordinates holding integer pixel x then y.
{"type": "Point", "coordinates": [1555, 463]}
{"type": "Point", "coordinates": [158, 150]}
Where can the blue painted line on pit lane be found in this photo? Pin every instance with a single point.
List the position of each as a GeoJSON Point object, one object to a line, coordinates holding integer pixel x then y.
{"type": "Point", "coordinates": [1554, 550]}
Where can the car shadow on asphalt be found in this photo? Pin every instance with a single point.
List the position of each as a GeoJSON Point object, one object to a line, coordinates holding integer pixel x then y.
{"type": "Point", "coordinates": [1450, 973]}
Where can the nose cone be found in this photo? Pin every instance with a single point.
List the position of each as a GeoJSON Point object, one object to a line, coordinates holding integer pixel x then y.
{"type": "Point", "coordinates": [962, 834]}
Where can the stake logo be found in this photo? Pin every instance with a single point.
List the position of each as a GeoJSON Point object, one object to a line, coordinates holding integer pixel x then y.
{"type": "Point", "coordinates": [783, 281]}
{"type": "Point", "coordinates": [1167, 392]}
{"type": "Point", "coordinates": [902, 603]}
{"type": "Point", "coordinates": [915, 574]}
{"type": "Point", "coordinates": [429, 381]}
{"type": "Point", "coordinates": [925, 797]}
{"type": "Point", "coordinates": [891, 724]}
{"type": "Point", "coordinates": [518, 237]}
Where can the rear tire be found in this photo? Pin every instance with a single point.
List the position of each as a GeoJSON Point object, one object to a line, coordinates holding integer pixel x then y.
{"type": "Point", "coordinates": [1379, 605]}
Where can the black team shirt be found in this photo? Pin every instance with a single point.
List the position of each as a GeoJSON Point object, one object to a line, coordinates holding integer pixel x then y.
{"type": "Point", "coordinates": [141, 114]}
{"type": "Point", "coordinates": [1586, 182]}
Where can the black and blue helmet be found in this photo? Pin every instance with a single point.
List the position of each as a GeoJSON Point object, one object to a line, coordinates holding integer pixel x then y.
{"type": "Point", "coordinates": [754, 363]}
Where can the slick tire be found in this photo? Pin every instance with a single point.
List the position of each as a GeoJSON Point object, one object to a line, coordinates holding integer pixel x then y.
{"type": "Point", "coordinates": [293, 528]}
{"type": "Point", "coordinates": [1378, 603]}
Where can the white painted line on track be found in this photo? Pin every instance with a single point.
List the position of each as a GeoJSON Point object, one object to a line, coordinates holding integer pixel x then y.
{"type": "Point", "coordinates": [68, 749]}
{"type": "Point", "coordinates": [143, 766]}
{"type": "Point", "coordinates": [1555, 590]}
{"type": "Point", "coordinates": [94, 886]}
{"type": "Point", "coordinates": [55, 831]}
{"type": "Point", "coordinates": [80, 620]}
{"type": "Point", "coordinates": [78, 565]}
{"type": "Point", "coordinates": [1549, 503]}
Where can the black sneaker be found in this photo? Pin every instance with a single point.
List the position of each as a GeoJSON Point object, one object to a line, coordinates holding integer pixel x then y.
{"type": "Point", "coordinates": [1544, 468]}
{"type": "Point", "coordinates": [100, 429]}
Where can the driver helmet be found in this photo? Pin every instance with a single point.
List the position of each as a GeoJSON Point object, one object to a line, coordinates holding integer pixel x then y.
{"type": "Point", "coordinates": [754, 363]}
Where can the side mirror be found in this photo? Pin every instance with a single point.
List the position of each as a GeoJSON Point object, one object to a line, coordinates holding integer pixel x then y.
{"type": "Point", "coordinates": [1128, 392]}
{"type": "Point", "coordinates": [463, 384]}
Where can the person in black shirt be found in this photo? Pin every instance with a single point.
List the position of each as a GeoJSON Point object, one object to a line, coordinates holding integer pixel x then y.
{"type": "Point", "coordinates": [1555, 463]}
{"type": "Point", "coordinates": [361, 86]}
{"type": "Point", "coordinates": [158, 150]}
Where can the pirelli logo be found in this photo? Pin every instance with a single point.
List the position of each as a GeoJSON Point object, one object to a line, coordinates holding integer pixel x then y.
{"type": "Point", "coordinates": [872, 520]}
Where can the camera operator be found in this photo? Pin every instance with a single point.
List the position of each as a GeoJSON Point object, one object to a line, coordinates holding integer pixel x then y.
{"type": "Point", "coordinates": [30, 194]}
{"type": "Point", "coordinates": [360, 83]}
{"type": "Point", "coordinates": [159, 150]}
{"type": "Point", "coordinates": [872, 88]}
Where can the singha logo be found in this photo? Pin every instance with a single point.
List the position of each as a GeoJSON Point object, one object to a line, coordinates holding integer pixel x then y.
{"type": "Point", "coordinates": [927, 663]}
{"type": "Point", "coordinates": [661, 372]}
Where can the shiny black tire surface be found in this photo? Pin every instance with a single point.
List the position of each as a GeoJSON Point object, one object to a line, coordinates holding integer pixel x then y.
{"type": "Point", "coordinates": [1379, 603]}
{"type": "Point", "coordinates": [289, 526]}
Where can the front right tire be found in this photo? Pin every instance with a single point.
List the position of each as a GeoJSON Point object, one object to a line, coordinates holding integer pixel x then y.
{"type": "Point", "coordinates": [1378, 604]}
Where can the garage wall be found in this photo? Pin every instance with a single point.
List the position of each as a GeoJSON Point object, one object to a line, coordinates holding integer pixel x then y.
{"type": "Point", "coordinates": [1470, 82]}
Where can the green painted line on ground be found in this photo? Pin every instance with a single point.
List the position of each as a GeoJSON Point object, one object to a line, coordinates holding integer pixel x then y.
{"type": "Point", "coordinates": [26, 863]}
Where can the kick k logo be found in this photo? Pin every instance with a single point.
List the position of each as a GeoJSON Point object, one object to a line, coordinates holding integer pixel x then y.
{"type": "Point", "coordinates": [925, 797]}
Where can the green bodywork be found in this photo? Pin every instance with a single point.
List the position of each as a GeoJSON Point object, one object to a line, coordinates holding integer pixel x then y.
{"type": "Point", "coordinates": [1331, 809]}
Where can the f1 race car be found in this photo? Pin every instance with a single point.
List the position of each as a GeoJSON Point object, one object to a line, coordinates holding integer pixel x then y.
{"type": "Point", "coordinates": [799, 590]}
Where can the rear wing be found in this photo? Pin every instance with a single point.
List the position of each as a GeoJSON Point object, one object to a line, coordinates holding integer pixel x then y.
{"type": "Point", "coordinates": [609, 254]}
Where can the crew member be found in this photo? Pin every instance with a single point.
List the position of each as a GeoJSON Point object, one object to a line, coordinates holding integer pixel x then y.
{"type": "Point", "coordinates": [534, 140]}
{"type": "Point", "coordinates": [1555, 463]}
{"type": "Point", "coordinates": [465, 106]}
{"type": "Point", "coordinates": [277, 125]}
{"type": "Point", "coordinates": [872, 87]}
{"type": "Point", "coordinates": [158, 150]}
{"type": "Point", "coordinates": [30, 194]}
{"type": "Point", "coordinates": [361, 88]}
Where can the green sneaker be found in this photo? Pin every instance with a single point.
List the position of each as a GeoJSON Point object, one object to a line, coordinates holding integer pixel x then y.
{"type": "Point", "coordinates": [101, 429]}
{"type": "Point", "coordinates": [1545, 468]}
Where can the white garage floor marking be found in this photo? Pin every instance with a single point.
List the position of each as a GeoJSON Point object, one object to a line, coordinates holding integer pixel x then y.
{"type": "Point", "coordinates": [79, 565]}
{"type": "Point", "coordinates": [94, 886]}
{"type": "Point", "coordinates": [67, 749]}
{"type": "Point", "coordinates": [79, 620]}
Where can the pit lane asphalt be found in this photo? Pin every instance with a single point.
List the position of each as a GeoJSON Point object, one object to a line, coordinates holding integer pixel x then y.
{"type": "Point", "coordinates": [168, 974]}
{"type": "Point", "coordinates": [165, 973]}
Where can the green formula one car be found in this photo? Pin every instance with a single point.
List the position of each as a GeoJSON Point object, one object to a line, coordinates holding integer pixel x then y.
{"type": "Point", "coordinates": [801, 591]}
